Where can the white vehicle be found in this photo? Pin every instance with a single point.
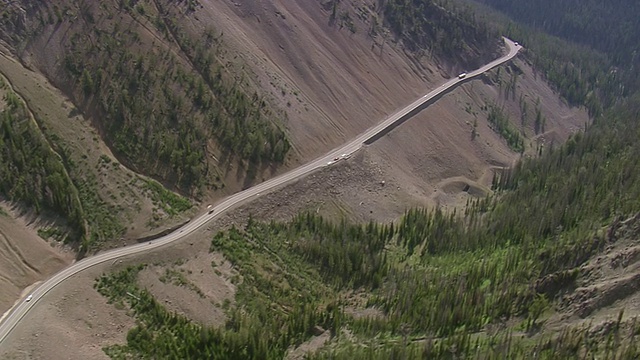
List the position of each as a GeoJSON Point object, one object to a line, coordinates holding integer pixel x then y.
{"type": "Point", "coordinates": [344, 156]}
{"type": "Point", "coordinates": [462, 76]}
{"type": "Point", "coordinates": [210, 209]}
{"type": "Point", "coordinates": [29, 297]}
{"type": "Point", "coordinates": [515, 43]}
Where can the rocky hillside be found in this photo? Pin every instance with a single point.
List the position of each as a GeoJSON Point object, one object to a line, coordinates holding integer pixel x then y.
{"type": "Point", "coordinates": [165, 100]}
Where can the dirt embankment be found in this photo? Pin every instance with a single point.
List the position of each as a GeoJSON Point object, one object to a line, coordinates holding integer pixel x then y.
{"type": "Point", "coordinates": [24, 257]}
{"type": "Point", "coordinates": [333, 83]}
{"type": "Point", "coordinates": [606, 284]}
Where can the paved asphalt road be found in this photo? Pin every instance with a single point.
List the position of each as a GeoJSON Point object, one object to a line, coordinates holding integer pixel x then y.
{"type": "Point", "coordinates": [20, 310]}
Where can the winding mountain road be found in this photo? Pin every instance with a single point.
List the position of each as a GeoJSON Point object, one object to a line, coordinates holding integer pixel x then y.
{"type": "Point", "coordinates": [19, 311]}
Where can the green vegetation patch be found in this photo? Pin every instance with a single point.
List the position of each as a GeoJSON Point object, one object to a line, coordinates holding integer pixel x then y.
{"type": "Point", "coordinates": [618, 340]}
{"type": "Point", "coordinates": [594, 73]}
{"type": "Point", "coordinates": [101, 216]}
{"type": "Point", "coordinates": [170, 202]}
{"type": "Point", "coordinates": [293, 279]}
{"type": "Point", "coordinates": [38, 172]}
{"type": "Point", "coordinates": [281, 300]}
{"type": "Point", "coordinates": [31, 172]}
{"type": "Point", "coordinates": [177, 278]}
{"type": "Point", "coordinates": [52, 233]}
{"type": "Point", "coordinates": [437, 27]}
{"type": "Point", "coordinates": [438, 279]}
{"type": "Point", "coordinates": [501, 125]}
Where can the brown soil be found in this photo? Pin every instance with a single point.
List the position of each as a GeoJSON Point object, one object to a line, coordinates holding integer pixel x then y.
{"type": "Point", "coordinates": [75, 321]}
{"type": "Point", "coordinates": [607, 283]}
{"type": "Point", "coordinates": [334, 84]}
{"type": "Point", "coordinates": [25, 258]}
{"type": "Point", "coordinates": [435, 156]}
{"type": "Point", "coordinates": [90, 323]}
{"type": "Point", "coordinates": [193, 288]}
{"type": "Point", "coordinates": [312, 344]}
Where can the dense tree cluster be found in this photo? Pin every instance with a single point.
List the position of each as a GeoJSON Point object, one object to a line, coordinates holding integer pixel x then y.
{"type": "Point", "coordinates": [598, 69]}
{"type": "Point", "coordinates": [499, 121]}
{"type": "Point", "coordinates": [30, 171]}
{"type": "Point", "coordinates": [612, 27]}
{"type": "Point", "coordinates": [440, 28]}
{"type": "Point", "coordinates": [347, 255]}
{"type": "Point", "coordinates": [571, 343]}
{"type": "Point", "coordinates": [275, 310]}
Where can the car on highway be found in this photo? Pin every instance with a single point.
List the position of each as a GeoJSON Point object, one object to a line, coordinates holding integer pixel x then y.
{"type": "Point", "coordinates": [462, 76]}
{"type": "Point", "coordinates": [210, 209]}
{"type": "Point", "coordinates": [29, 297]}
{"type": "Point", "coordinates": [336, 158]}
{"type": "Point", "coordinates": [515, 43]}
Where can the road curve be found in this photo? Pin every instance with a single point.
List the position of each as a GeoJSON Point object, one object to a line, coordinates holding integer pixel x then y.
{"type": "Point", "coordinates": [19, 311]}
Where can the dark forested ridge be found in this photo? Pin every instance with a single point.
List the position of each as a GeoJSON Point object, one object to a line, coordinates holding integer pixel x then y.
{"type": "Point", "coordinates": [441, 29]}
{"type": "Point", "coordinates": [611, 27]}
{"type": "Point", "coordinates": [586, 49]}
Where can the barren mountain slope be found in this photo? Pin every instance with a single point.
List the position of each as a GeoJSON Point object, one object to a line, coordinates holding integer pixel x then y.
{"type": "Point", "coordinates": [334, 83]}
{"type": "Point", "coordinates": [436, 155]}
{"type": "Point", "coordinates": [170, 104]}
{"type": "Point", "coordinates": [24, 258]}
